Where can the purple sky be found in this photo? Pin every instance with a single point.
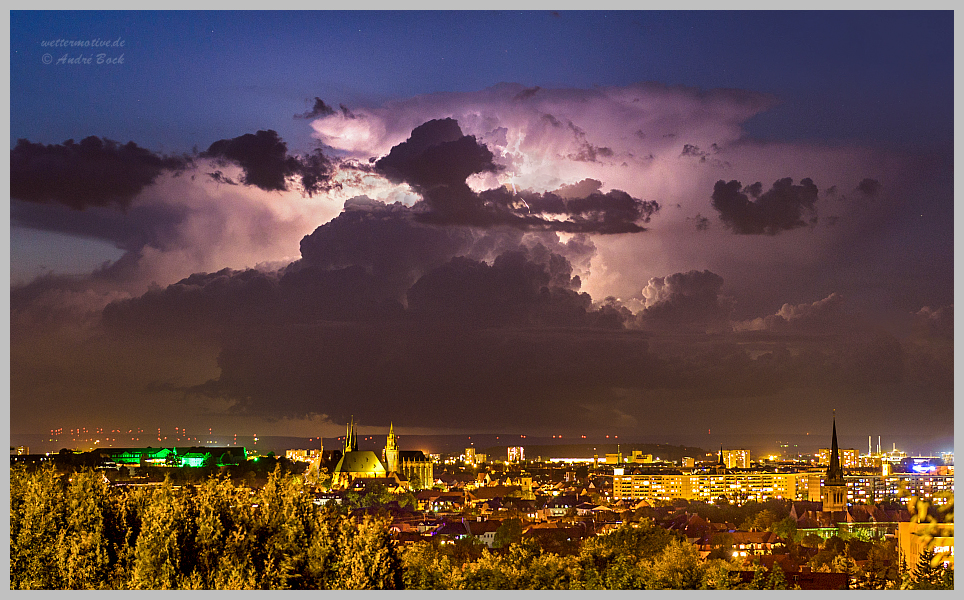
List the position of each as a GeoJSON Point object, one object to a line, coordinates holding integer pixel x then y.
{"type": "Point", "coordinates": [489, 221]}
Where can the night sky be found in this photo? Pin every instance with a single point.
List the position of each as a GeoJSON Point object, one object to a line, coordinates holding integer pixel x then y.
{"type": "Point", "coordinates": [553, 223]}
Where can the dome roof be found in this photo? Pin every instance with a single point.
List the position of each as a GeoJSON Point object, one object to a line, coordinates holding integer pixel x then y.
{"type": "Point", "coordinates": [360, 461]}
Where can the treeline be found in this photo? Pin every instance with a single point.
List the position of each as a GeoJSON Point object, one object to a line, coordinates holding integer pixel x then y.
{"type": "Point", "coordinates": [76, 531]}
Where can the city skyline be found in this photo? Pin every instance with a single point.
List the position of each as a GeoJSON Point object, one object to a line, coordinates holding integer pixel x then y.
{"type": "Point", "coordinates": [701, 223]}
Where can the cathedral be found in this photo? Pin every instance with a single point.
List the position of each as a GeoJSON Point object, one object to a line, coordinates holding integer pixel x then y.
{"type": "Point", "coordinates": [411, 467]}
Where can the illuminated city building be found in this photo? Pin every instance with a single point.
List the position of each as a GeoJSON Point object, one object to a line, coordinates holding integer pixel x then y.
{"type": "Point", "coordinates": [175, 457]}
{"type": "Point", "coordinates": [309, 456]}
{"type": "Point", "coordinates": [635, 483]}
{"type": "Point", "coordinates": [410, 467]}
{"type": "Point", "coordinates": [848, 457]}
{"type": "Point", "coordinates": [355, 463]}
{"type": "Point", "coordinates": [417, 468]}
{"type": "Point", "coordinates": [910, 542]}
{"type": "Point", "coordinates": [736, 459]}
{"type": "Point", "coordinates": [639, 457]}
{"type": "Point", "coordinates": [515, 454]}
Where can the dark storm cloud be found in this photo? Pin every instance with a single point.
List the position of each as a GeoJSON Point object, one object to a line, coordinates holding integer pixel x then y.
{"type": "Point", "coordinates": [197, 305]}
{"type": "Point", "coordinates": [436, 154]}
{"type": "Point", "coordinates": [514, 290]}
{"type": "Point", "coordinates": [360, 266]}
{"type": "Point", "coordinates": [869, 187]}
{"type": "Point", "coordinates": [780, 208]}
{"type": "Point", "coordinates": [527, 93]}
{"type": "Point", "coordinates": [439, 373]}
{"type": "Point", "coordinates": [264, 158]}
{"type": "Point", "coordinates": [683, 301]}
{"type": "Point", "coordinates": [220, 177]}
{"type": "Point", "coordinates": [493, 341]}
{"type": "Point", "coordinates": [580, 189]}
{"type": "Point", "coordinates": [437, 159]}
{"type": "Point", "coordinates": [155, 225]}
{"type": "Point", "coordinates": [609, 213]}
{"type": "Point", "coordinates": [95, 172]}
{"type": "Point", "coordinates": [320, 109]}
{"type": "Point", "coordinates": [587, 152]}
{"type": "Point", "coordinates": [384, 239]}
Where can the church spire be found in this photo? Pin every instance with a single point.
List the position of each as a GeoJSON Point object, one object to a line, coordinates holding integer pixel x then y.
{"type": "Point", "coordinates": [351, 443]}
{"type": "Point", "coordinates": [834, 471]}
{"type": "Point", "coordinates": [391, 450]}
{"type": "Point", "coordinates": [392, 443]}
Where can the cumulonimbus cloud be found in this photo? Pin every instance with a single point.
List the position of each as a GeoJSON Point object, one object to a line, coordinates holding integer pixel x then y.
{"type": "Point", "coordinates": [264, 158]}
{"type": "Point", "coordinates": [94, 172]}
{"type": "Point", "coordinates": [783, 207]}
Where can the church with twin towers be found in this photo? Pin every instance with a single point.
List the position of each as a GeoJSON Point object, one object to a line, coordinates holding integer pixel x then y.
{"type": "Point", "coordinates": [410, 467]}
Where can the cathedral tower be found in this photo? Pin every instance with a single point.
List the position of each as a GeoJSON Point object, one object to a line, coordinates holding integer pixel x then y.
{"type": "Point", "coordinates": [391, 451]}
{"type": "Point", "coordinates": [351, 442]}
{"type": "Point", "coordinates": [834, 491]}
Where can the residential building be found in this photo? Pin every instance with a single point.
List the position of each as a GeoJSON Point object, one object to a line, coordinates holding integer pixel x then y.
{"type": "Point", "coordinates": [736, 459]}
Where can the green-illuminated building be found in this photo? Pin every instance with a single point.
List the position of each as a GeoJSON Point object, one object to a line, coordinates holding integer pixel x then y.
{"type": "Point", "coordinates": [196, 456]}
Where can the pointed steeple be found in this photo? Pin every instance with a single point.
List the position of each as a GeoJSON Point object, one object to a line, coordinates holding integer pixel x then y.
{"type": "Point", "coordinates": [720, 462]}
{"type": "Point", "coordinates": [351, 442]}
{"type": "Point", "coordinates": [834, 471]}
{"type": "Point", "coordinates": [390, 454]}
{"type": "Point", "coordinates": [392, 443]}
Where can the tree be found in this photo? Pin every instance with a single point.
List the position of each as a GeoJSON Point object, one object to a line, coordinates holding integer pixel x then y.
{"type": "Point", "coordinates": [928, 576]}
{"type": "Point", "coordinates": [281, 525]}
{"type": "Point", "coordinates": [604, 561]}
{"type": "Point", "coordinates": [36, 520]}
{"type": "Point", "coordinates": [83, 555]}
{"type": "Point", "coordinates": [786, 529]}
{"type": "Point", "coordinates": [721, 546]}
{"type": "Point", "coordinates": [677, 567]}
{"type": "Point", "coordinates": [761, 521]}
{"type": "Point", "coordinates": [158, 553]}
{"type": "Point", "coordinates": [369, 559]}
{"type": "Point", "coordinates": [759, 581]}
{"type": "Point", "coordinates": [509, 532]}
{"type": "Point", "coordinates": [423, 568]}
{"type": "Point", "coordinates": [717, 575]}
{"type": "Point", "coordinates": [777, 580]}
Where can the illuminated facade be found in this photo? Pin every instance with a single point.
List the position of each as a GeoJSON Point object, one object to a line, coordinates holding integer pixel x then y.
{"type": "Point", "coordinates": [355, 463]}
{"type": "Point", "coordinates": [736, 459]}
{"type": "Point", "coordinates": [636, 484]}
{"type": "Point", "coordinates": [176, 457]}
{"type": "Point", "coordinates": [849, 458]}
{"type": "Point", "coordinates": [515, 453]}
{"type": "Point", "coordinates": [910, 543]}
{"type": "Point", "coordinates": [865, 489]}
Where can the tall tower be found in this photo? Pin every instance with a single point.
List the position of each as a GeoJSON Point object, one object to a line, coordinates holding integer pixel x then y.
{"type": "Point", "coordinates": [834, 492]}
{"type": "Point", "coordinates": [351, 442]}
{"type": "Point", "coordinates": [391, 450]}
